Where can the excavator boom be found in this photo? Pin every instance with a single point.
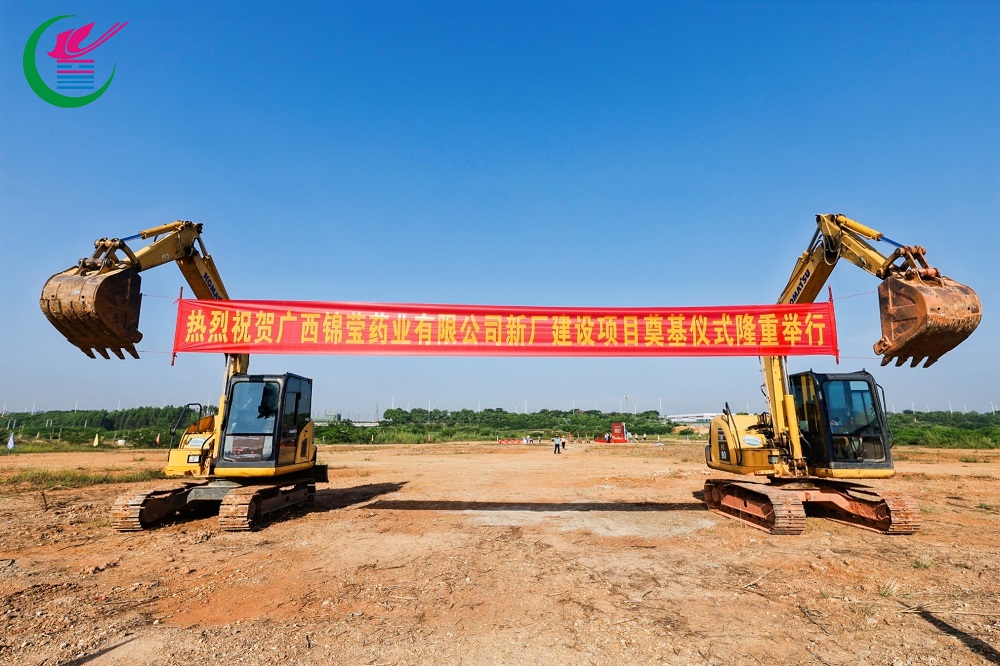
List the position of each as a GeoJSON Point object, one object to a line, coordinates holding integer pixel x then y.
{"type": "Point", "coordinates": [923, 313]}
{"type": "Point", "coordinates": [822, 429]}
{"type": "Point", "coordinates": [96, 303]}
{"type": "Point", "coordinates": [248, 471]}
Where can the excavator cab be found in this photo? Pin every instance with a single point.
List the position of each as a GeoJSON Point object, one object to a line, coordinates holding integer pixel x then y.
{"type": "Point", "coordinates": [842, 425]}
{"type": "Point", "coordinates": [267, 425]}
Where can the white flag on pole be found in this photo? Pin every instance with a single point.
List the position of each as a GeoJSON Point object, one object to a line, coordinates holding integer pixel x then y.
{"type": "Point", "coordinates": [97, 439]}
{"type": "Point", "coordinates": [10, 442]}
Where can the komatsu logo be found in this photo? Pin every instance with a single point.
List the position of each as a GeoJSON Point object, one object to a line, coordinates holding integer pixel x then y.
{"type": "Point", "coordinates": [211, 287]}
{"type": "Point", "coordinates": [798, 289]}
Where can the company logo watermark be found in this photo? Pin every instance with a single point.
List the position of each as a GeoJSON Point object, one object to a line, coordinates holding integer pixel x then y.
{"type": "Point", "coordinates": [72, 63]}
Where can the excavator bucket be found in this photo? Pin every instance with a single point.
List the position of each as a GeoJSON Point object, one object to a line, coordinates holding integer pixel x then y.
{"type": "Point", "coordinates": [924, 318]}
{"type": "Point", "coordinates": [96, 312]}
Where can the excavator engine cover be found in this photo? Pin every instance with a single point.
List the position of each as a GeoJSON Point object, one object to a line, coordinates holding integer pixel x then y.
{"type": "Point", "coordinates": [96, 311]}
{"type": "Point", "coordinates": [924, 318]}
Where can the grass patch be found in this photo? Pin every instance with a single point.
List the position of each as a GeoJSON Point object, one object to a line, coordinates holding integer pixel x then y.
{"type": "Point", "coordinates": [54, 446]}
{"type": "Point", "coordinates": [921, 564]}
{"type": "Point", "coordinates": [36, 479]}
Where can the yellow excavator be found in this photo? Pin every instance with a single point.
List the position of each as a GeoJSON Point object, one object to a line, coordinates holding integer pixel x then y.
{"type": "Point", "coordinates": [255, 456]}
{"type": "Point", "coordinates": [824, 430]}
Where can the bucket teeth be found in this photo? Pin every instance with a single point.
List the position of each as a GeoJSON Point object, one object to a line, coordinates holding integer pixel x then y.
{"type": "Point", "coordinates": [96, 312]}
{"type": "Point", "coordinates": [922, 319]}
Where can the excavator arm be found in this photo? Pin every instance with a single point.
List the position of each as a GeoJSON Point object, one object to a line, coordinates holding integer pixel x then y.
{"type": "Point", "coordinates": [923, 313]}
{"type": "Point", "coordinates": [96, 303]}
{"type": "Point", "coordinates": [801, 445]}
{"type": "Point", "coordinates": [252, 469]}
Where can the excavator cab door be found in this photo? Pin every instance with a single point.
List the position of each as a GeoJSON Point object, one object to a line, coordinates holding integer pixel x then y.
{"type": "Point", "coordinates": [842, 423]}
{"type": "Point", "coordinates": [267, 420]}
{"type": "Point", "coordinates": [250, 430]}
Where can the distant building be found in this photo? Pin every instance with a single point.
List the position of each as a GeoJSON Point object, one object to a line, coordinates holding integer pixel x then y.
{"type": "Point", "coordinates": [702, 419]}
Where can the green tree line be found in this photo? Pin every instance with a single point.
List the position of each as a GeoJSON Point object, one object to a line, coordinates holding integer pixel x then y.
{"type": "Point", "coordinates": [952, 430]}
{"type": "Point", "coordinates": [140, 426]}
{"type": "Point", "coordinates": [137, 426]}
{"type": "Point", "coordinates": [437, 425]}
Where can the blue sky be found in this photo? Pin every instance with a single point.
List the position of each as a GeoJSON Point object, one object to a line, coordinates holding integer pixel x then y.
{"type": "Point", "coordinates": [542, 153]}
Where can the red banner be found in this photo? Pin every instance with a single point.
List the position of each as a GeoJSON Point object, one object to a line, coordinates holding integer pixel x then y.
{"type": "Point", "coordinates": [302, 327]}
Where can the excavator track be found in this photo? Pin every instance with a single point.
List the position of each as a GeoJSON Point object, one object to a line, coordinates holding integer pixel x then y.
{"type": "Point", "coordinates": [125, 513]}
{"type": "Point", "coordinates": [904, 514]}
{"type": "Point", "coordinates": [762, 506]}
{"type": "Point", "coordinates": [239, 509]}
{"type": "Point", "coordinates": [781, 508]}
{"type": "Point", "coordinates": [134, 512]}
{"type": "Point", "coordinates": [243, 508]}
{"type": "Point", "coordinates": [865, 507]}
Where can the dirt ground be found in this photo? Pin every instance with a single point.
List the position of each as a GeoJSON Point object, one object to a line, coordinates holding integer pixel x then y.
{"type": "Point", "coordinates": [501, 554]}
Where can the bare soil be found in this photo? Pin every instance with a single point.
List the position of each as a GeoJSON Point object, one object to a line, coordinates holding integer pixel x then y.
{"type": "Point", "coordinates": [501, 554]}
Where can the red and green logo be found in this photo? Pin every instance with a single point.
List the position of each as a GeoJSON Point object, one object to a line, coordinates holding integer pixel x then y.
{"type": "Point", "coordinates": [73, 62]}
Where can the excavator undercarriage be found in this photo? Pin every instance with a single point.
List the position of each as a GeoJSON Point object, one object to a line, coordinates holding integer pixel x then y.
{"type": "Point", "coordinates": [241, 507]}
{"type": "Point", "coordinates": [781, 507]}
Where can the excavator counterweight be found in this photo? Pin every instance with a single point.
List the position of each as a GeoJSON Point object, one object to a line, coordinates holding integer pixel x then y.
{"type": "Point", "coordinates": [923, 318]}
